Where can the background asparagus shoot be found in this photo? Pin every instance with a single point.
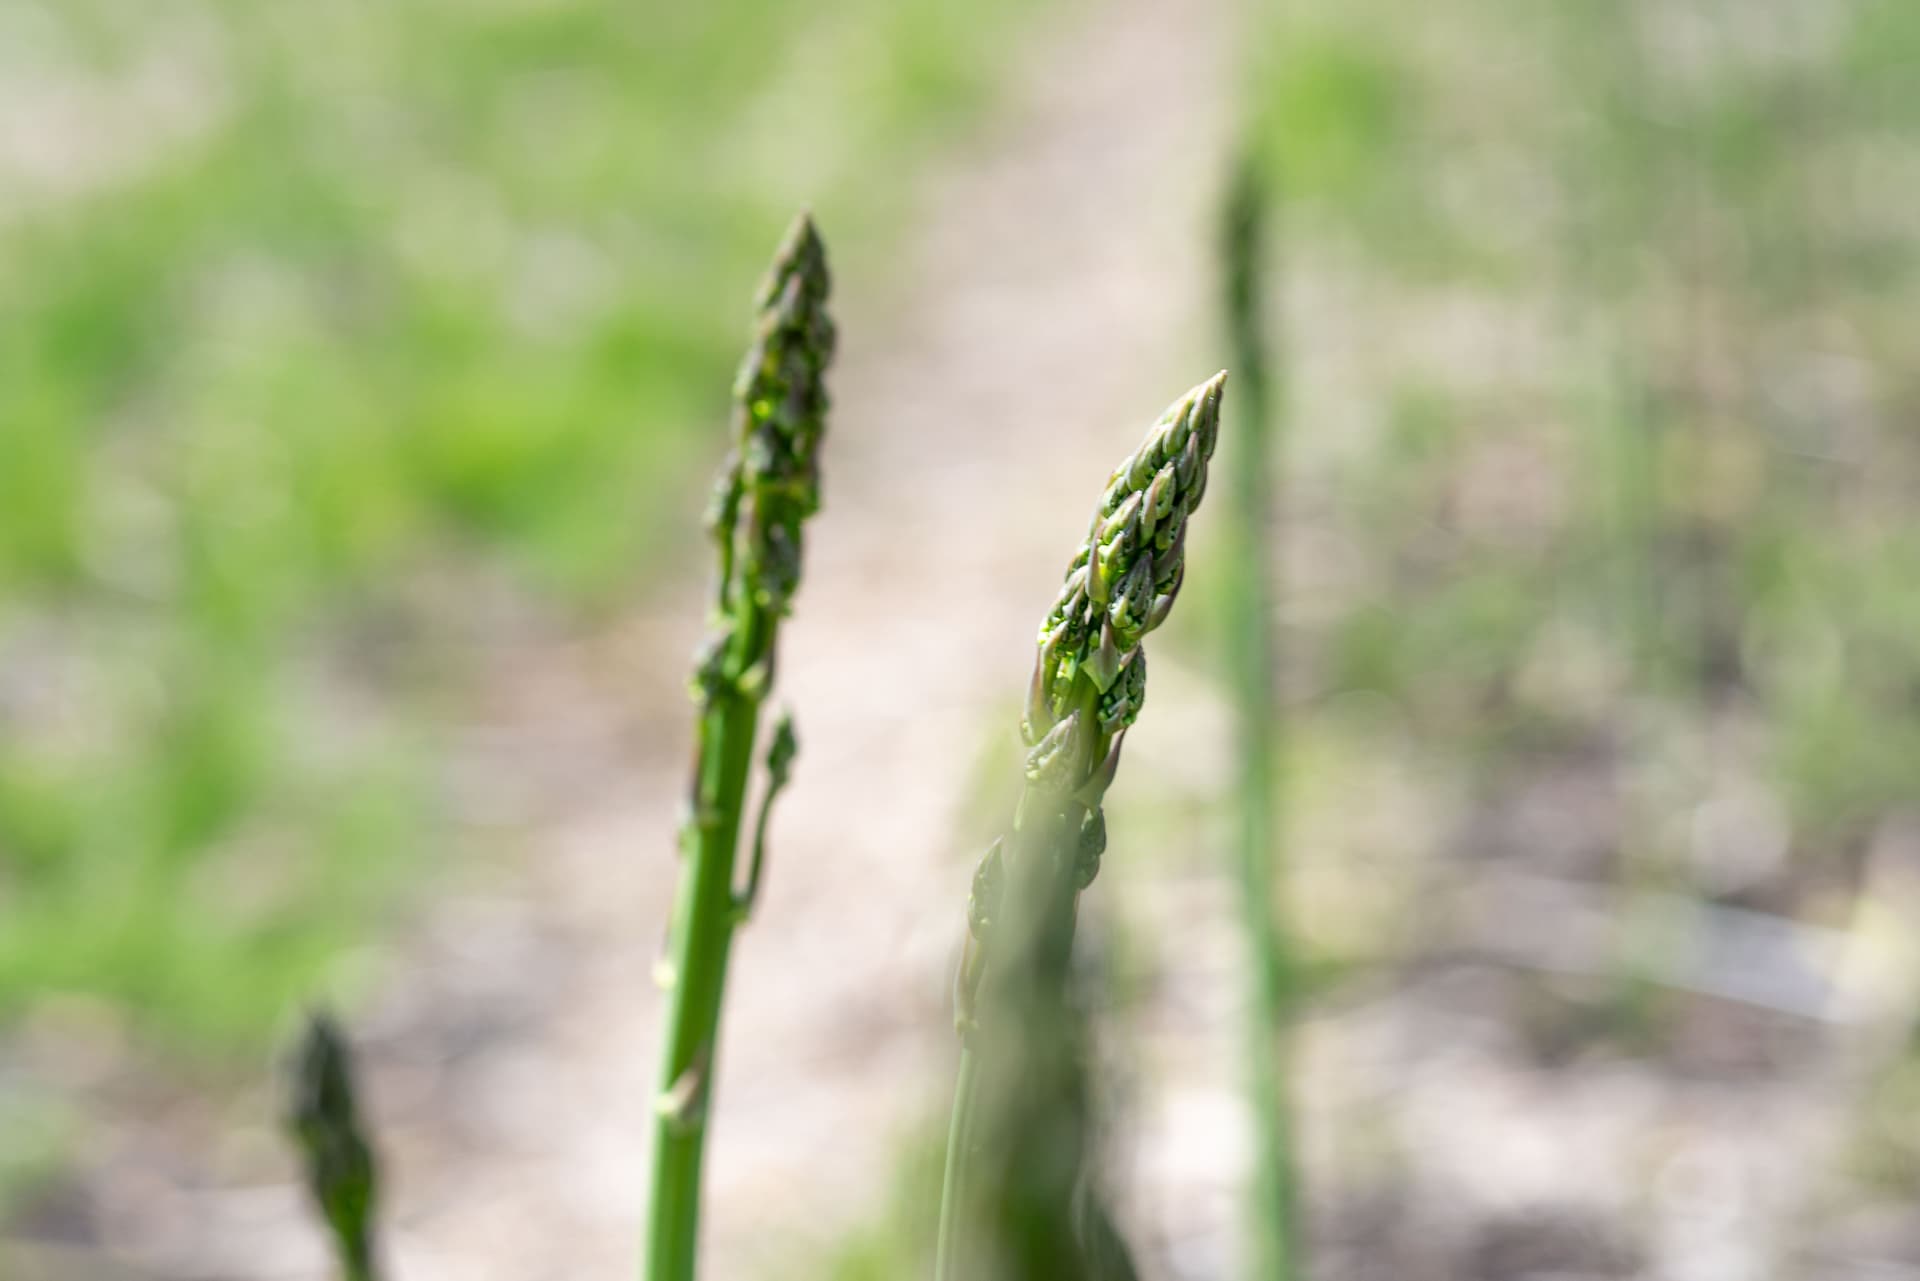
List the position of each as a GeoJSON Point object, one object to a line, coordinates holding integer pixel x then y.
{"type": "Point", "coordinates": [1017, 1203]}
{"type": "Point", "coordinates": [340, 1170]}
{"type": "Point", "coordinates": [1251, 644]}
{"type": "Point", "coordinates": [767, 488]}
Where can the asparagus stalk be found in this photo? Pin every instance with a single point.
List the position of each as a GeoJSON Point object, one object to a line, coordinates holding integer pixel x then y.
{"type": "Point", "coordinates": [767, 488]}
{"type": "Point", "coordinates": [1088, 684]}
{"type": "Point", "coordinates": [1250, 638]}
{"type": "Point", "coordinates": [341, 1173]}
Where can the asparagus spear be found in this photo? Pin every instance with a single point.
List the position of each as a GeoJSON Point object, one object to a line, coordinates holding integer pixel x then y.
{"type": "Point", "coordinates": [1016, 1028]}
{"type": "Point", "coordinates": [1251, 641]}
{"type": "Point", "coordinates": [767, 488]}
{"type": "Point", "coordinates": [342, 1176]}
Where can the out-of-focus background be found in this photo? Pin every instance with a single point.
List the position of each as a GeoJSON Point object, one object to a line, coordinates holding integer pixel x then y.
{"type": "Point", "coordinates": [361, 369]}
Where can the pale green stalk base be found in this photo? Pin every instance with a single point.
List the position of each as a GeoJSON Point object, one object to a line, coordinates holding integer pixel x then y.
{"type": "Point", "coordinates": [959, 1137]}
{"type": "Point", "coordinates": [1042, 822]}
{"type": "Point", "coordinates": [1275, 1193]}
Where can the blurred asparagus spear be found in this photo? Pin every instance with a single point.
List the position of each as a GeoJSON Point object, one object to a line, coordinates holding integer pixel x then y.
{"type": "Point", "coordinates": [767, 488]}
{"type": "Point", "coordinates": [1016, 1174]}
{"type": "Point", "coordinates": [1251, 645]}
{"type": "Point", "coordinates": [341, 1173]}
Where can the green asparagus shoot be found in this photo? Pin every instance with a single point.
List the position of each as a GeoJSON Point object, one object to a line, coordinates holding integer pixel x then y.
{"type": "Point", "coordinates": [1018, 1201]}
{"type": "Point", "coordinates": [767, 488]}
{"type": "Point", "coordinates": [1250, 639]}
{"type": "Point", "coordinates": [341, 1174]}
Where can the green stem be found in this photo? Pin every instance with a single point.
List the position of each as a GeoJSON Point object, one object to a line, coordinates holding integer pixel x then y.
{"type": "Point", "coordinates": [1088, 684]}
{"type": "Point", "coordinates": [767, 488]}
{"type": "Point", "coordinates": [703, 925]}
{"type": "Point", "coordinates": [1253, 650]}
{"type": "Point", "coordinates": [1032, 940]}
{"type": "Point", "coordinates": [959, 1138]}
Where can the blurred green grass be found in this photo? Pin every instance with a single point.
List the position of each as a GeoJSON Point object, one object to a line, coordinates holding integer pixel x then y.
{"type": "Point", "coordinates": [1634, 302]}
{"type": "Point", "coordinates": [1600, 463]}
{"type": "Point", "coordinates": [379, 290]}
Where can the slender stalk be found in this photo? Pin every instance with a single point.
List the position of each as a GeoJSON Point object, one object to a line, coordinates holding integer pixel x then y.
{"type": "Point", "coordinates": [959, 1139]}
{"type": "Point", "coordinates": [1252, 657]}
{"type": "Point", "coordinates": [1019, 1037]}
{"type": "Point", "coordinates": [341, 1173]}
{"type": "Point", "coordinates": [766, 490]}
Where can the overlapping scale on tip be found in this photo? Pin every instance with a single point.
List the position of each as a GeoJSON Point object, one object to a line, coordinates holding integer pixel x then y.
{"type": "Point", "coordinates": [773, 481]}
{"type": "Point", "coordinates": [1119, 586]}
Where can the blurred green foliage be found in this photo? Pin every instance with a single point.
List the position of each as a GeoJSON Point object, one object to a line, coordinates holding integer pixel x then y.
{"type": "Point", "coordinates": [1600, 457]}
{"type": "Point", "coordinates": [1627, 289]}
{"type": "Point", "coordinates": [897, 1238]}
{"type": "Point", "coordinates": [306, 307]}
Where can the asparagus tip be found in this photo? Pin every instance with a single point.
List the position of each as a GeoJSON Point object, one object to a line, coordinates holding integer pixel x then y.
{"type": "Point", "coordinates": [324, 1118]}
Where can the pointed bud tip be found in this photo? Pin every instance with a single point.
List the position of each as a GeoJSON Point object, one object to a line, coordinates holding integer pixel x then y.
{"type": "Point", "coordinates": [1200, 399]}
{"type": "Point", "coordinates": [1206, 408]}
{"type": "Point", "coordinates": [803, 234]}
{"type": "Point", "coordinates": [319, 1036]}
{"type": "Point", "coordinates": [801, 253]}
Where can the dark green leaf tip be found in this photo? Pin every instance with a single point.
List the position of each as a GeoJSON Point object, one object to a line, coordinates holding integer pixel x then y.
{"type": "Point", "coordinates": [323, 1117]}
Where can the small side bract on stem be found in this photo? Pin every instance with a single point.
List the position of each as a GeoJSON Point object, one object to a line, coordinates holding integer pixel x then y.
{"type": "Point", "coordinates": [1017, 1203]}
{"type": "Point", "coordinates": [767, 488]}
